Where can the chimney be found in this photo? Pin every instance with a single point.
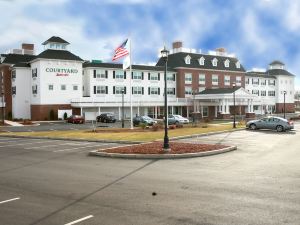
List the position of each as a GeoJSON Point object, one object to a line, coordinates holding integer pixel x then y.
{"type": "Point", "coordinates": [26, 46]}
{"type": "Point", "coordinates": [177, 44]}
{"type": "Point", "coordinates": [221, 50]}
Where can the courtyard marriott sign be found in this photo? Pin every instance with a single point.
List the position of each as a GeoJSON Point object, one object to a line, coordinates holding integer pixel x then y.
{"type": "Point", "coordinates": [61, 71]}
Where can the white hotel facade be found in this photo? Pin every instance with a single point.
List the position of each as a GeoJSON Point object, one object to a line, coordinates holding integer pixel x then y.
{"type": "Point", "coordinates": [58, 81]}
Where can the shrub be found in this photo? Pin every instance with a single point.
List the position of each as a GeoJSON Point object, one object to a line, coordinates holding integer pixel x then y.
{"type": "Point", "coordinates": [172, 127]}
{"type": "Point", "coordinates": [204, 125]}
{"type": "Point", "coordinates": [179, 125]}
{"type": "Point", "coordinates": [143, 125]}
{"type": "Point", "coordinates": [241, 123]}
{"type": "Point", "coordinates": [157, 126]}
{"type": "Point", "coordinates": [65, 115]}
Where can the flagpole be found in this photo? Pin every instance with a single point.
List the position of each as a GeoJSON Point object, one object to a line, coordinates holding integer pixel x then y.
{"type": "Point", "coordinates": [130, 91]}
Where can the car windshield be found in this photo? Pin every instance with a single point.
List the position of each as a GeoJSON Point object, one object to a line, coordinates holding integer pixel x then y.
{"type": "Point", "coordinates": [178, 116]}
{"type": "Point", "coordinates": [147, 118]}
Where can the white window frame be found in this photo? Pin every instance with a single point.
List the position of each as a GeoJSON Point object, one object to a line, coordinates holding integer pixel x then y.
{"type": "Point", "coordinates": [100, 89]}
{"type": "Point", "coordinates": [137, 90]}
{"type": "Point", "coordinates": [75, 87]}
{"type": "Point", "coordinates": [50, 87]}
{"type": "Point", "coordinates": [202, 78]}
{"type": "Point", "coordinates": [119, 74]}
{"type": "Point", "coordinates": [63, 87]}
{"type": "Point", "coordinates": [188, 77]}
{"type": "Point", "coordinates": [215, 79]}
{"type": "Point", "coordinates": [154, 76]}
{"type": "Point", "coordinates": [205, 111]}
{"type": "Point", "coordinates": [227, 80]}
{"type": "Point", "coordinates": [118, 89]}
{"type": "Point", "coordinates": [170, 91]}
{"type": "Point", "coordinates": [100, 73]}
{"type": "Point", "coordinates": [34, 89]}
{"type": "Point", "coordinates": [214, 62]}
{"type": "Point", "coordinates": [171, 77]}
{"type": "Point", "coordinates": [137, 75]}
{"type": "Point", "coordinates": [263, 93]}
{"type": "Point", "coordinates": [201, 61]}
{"type": "Point", "coordinates": [226, 63]}
{"type": "Point", "coordinates": [154, 90]}
{"type": "Point", "coordinates": [188, 90]}
{"type": "Point", "coordinates": [238, 65]}
{"type": "Point", "coordinates": [187, 59]}
{"type": "Point", "coordinates": [238, 81]}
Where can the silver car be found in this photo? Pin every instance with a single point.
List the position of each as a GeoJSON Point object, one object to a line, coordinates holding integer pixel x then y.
{"type": "Point", "coordinates": [272, 122]}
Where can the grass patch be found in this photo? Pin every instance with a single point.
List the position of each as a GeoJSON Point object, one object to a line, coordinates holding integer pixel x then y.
{"type": "Point", "coordinates": [124, 136]}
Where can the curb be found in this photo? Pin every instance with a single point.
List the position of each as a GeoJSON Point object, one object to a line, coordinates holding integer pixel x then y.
{"type": "Point", "coordinates": [162, 156]}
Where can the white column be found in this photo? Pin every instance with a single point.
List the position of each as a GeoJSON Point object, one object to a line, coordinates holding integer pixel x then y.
{"type": "Point", "coordinates": [146, 111]}
{"type": "Point", "coordinates": [155, 112]}
{"type": "Point", "coordinates": [251, 106]}
{"type": "Point", "coordinates": [80, 111]}
{"type": "Point", "coordinates": [227, 106]}
{"type": "Point", "coordinates": [201, 109]}
{"type": "Point", "coordinates": [223, 106]}
{"type": "Point", "coordinates": [119, 113]}
{"type": "Point", "coordinates": [138, 110]}
{"type": "Point", "coordinates": [216, 111]}
{"type": "Point", "coordinates": [248, 106]}
{"type": "Point", "coordinates": [99, 111]}
{"type": "Point", "coordinates": [187, 111]}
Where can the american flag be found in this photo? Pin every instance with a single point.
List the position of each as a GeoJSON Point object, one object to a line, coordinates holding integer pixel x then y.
{"type": "Point", "coordinates": [122, 50]}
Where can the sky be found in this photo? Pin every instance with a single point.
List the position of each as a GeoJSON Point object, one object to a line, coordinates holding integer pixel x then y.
{"type": "Point", "coordinates": [256, 31]}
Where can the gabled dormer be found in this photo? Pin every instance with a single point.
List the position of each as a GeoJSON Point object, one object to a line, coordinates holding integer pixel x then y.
{"type": "Point", "coordinates": [238, 65]}
{"type": "Point", "coordinates": [214, 62]}
{"type": "Point", "coordinates": [187, 59]}
{"type": "Point", "coordinates": [201, 61]}
{"type": "Point", "coordinates": [56, 43]}
{"type": "Point", "coordinates": [226, 63]}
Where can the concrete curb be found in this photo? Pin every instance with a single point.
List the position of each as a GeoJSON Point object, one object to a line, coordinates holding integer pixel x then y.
{"type": "Point", "coordinates": [162, 156]}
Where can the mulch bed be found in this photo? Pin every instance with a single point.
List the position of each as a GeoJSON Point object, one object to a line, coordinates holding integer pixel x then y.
{"type": "Point", "coordinates": [157, 148]}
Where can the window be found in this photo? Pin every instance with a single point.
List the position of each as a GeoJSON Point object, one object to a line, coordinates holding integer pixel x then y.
{"type": "Point", "coordinates": [263, 82]}
{"type": "Point", "coordinates": [13, 90]}
{"type": "Point", "coordinates": [263, 93]}
{"type": "Point", "coordinates": [100, 89]}
{"type": "Point", "coordinates": [188, 78]}
{"type": "Point", "coordinates": [214, 62]}
{"type": "Point", "coordinates": [205, 111]}
{"type": "Point", "coordinates": [118, 90]}
{"type": "Point", "coordinates": [137, 90]}
{"type": "Point", "coordinates": [238, 65]}
{"type": "Point", "coordinates": [215, 79]}
{"type": "Point", "coordinates": [153, 76]}
{"type": "Point", "coordinates": [255, 107]}
{"type": "Point", "coordinates": [119, 74]}
{"type": "Point", "coordinates": [227, 80]}
{"type": "Point", "coordinates": [226, 63]}
{"type": "Point", "coordinates": [201, 78]}
{"type": "Point", "coordinates": [255, 92]}
{"type": "Point", "coordinates": [271, 82]}
{"type": "Point", "coordinates": [34, 89]}
{"type": "Point", "coordinates": [34, 72]}
{"type": "Point", "coordinates": [153, 91]}
{"type": "Point", "coordinates": [255, 81]}
{"type": "Point", "coordinates": [50, 87]}
{"type": "Point", "coordinates": [271, 93]}
{"type": "Point", "coordinates": [247, 81]}
{"type": "Point", "coordinates": [187, 59]}
{"type": "Point", "coordinates": [170, 91]}
{"type": "Point", "coordinates": [188, 90]}
{"type": "Point", "coordinates": [137, 75]}
{"type": "Point", "coordinates": [171, 76]}
{"type": "Point", "coordinates": [75, 87]}
{"type": "Point", "coordinates": [100, 74]}
{"type": "Point", "coordinates": [13, 74]}
{"type": "Point", "coordinates": [63, 87]}
{"type": "Point", "coordinates": [201, 61]}
{"type": "Point", "coordinates": [238, 81]}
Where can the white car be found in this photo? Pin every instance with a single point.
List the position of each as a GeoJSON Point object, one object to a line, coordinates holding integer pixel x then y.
{"type": "Point", "coordinates": [180, 119]}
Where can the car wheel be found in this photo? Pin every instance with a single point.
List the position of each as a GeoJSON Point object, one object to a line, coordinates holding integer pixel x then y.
{"type": "Point", "coordinates": [105, 121]}
{"type": "Point", "coordinates": [279, 128]}
{"type": "Point", "coordinates": [252, 126]}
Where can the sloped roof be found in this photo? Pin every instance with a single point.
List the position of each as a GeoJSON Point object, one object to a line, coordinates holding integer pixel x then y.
{"type": "Point", "coordinates": [276, 62]}
{"type": "Point", "coordinates": [58, 54]}
{"type": "Point", "coordinates": [275, 72]}
{"type": "Point", "coordinates": [177, 60]}
{"type": "Point", "coordinates": [21, 65]}
{"type": "Point", "coordinates": [120, 66]}
{"type": "Point", "coordinates": [55, 40]}
{"type": "Point", "coordinates": [219, 91]}
{"type": "Point", "coordinates": [259, 74]}
{"type": "Point", "coordinates": [17, 58]}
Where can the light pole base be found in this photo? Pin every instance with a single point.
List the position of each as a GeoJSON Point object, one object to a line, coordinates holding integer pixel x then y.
{"type": "Point", "coordinates": [166, 149]}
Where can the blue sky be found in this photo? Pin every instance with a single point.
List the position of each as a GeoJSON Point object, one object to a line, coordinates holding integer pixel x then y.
{"type": "Point", "coordinates": [256, 31]}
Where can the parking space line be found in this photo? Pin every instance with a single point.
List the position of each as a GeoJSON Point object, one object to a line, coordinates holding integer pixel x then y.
{"type": "Point", "coordinates": [68, 143]}
{"type": "Point", "coordinates": [9, 200]}
{"type": "Point", "coordinates": [88, 146]}
{"type": "Point", "coordinates": [80, 220]}
{"type": "Point", "coordinates": [31, 143]}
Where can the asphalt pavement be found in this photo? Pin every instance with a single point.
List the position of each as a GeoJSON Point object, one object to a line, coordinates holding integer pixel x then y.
{"type": "Point", "coordinates": [50, 182]}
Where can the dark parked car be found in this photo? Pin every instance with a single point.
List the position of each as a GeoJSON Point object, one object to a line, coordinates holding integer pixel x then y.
{"type": "Point", "coordinates": [272, 122]}
{"type": "Point", "coordinates": [143, 119]}
{"type": "Point", "coordinates": [75, 119]}
{"type": "Point", "coordinates": [106, 118]}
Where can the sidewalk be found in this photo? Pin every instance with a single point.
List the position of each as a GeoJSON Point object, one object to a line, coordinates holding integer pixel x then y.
{"type": "Point", "coordinates": [12, 123]}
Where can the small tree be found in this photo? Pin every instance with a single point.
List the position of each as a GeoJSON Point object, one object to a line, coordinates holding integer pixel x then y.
{"type": "Point", "coordinates": [65, 115]}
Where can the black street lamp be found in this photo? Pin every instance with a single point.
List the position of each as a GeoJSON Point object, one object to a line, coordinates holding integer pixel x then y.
{"type": "Point", "coordinates": [284, 93]}
{"type": "Point", "coordinates": [123, 108]}
{"type": "Point", "coordinates": [164, 54]}
{"type": "Point", "coordinates": [233, 86]}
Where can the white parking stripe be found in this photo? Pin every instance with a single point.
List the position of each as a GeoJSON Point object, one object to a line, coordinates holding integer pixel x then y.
{"type": "Point", "coordinates": [31, 143]}
{"type": "Point", "coordinates": [89, 146]}
{"type": "Point", "coordinates": [46, 146]}
{"type": "Point", "coordinates": [10, 200]}
{"type": "Point", "coordinates": [79, 220]}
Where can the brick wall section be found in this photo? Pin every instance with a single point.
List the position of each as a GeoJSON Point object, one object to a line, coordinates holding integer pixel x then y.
{"type": "Point", "coordinates": [7, 89]}
{"type": "Point", "coordinates": [289, 107]}
{"type": "Point", "coordinates": [28, 46]}
{"type": "Point", "coordinates": [208, 79]}
{"type": "Point", "coordinates": [42, 112]}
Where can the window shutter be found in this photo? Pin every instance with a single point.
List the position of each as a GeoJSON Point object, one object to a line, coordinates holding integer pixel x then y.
{"type": "Point", "coordinates": [114, 89]}
{"type": "Point", "coordinates": [94, 73]}
{"type": "Point", "coordinates": [114, 74]}
{"type": "Point", "coordinates": [148, 76]}
{"type": "Point", "coordinates": [158, 91]}
{"type": "Point", "coordinates": [106, 74]}
{"type": "Point", "coordinates": [106, 90]}
{"type": "Point", "coordinates": [173, 76]}
{"type": "Point", "coordinates": [148, 90]}
{"type": "Point", "coordinates": [94, 89]}
{"type": "Point", "coordinates": [142, 75]}
{"type": "Point", "coordinates": [124, 90]}
{"type": "Point", "coordinates": [131, 75]}
{"type": "Point", "coordinates": [124, 74]}
{"type": "Point", "coordinates": [158, 76]}
{"type": "Point", "coordinates": [132, 90]}
{"type": "Point", "coordinates": [142, 90]}
{"type": "Point", "coordinates": [174, 91]}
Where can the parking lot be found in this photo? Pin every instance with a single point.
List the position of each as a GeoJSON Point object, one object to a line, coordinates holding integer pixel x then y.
{"type": "Point", "coordinates": [50, 182]}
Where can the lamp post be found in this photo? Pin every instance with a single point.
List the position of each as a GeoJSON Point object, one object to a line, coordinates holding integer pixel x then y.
{"type": "Point", "coordinates": [233, 86]}
{"type": "Point", "coordinates": [123, 108]}
{"type": "Point", "coordinates": [164, 54]}
{"type": "Point", "coordinates": [284, 93]}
